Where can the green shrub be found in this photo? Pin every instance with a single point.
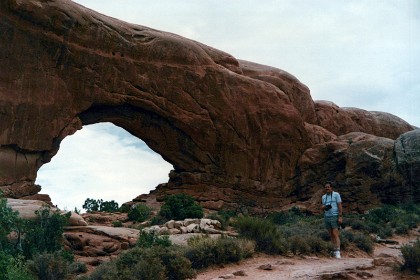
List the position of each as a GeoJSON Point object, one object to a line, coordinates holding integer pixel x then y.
{"type": "Point", "coordinates": [149, 267]}
{"type": "Point", "coordinates": [45, 233]}
{"type": "Point", "coordinates": [411, 255]}
{"type": "Point", "coordinates": [357, 224]}
{"type": "Point", "coordinates": [48, 266]}
{"type": "Point", "coordinates": [147, 240]}
{"type": "Point", "coordinates": [139, 213]}
{"type": "Point", "coordinates": [386, 231]}
{"type": "Point", "coordinates": [401, 229]}
{"type": "Point", "coordinates": [363, 242]}
{"type": "Point", "coordinates": [177, 266]}
{"type": "Point", "coordinates": [158, 220]}
{"type": "Point", "coordinates": [373, 227]}
{"type": "Point", "coordinates": [298, 245]}
{"type": "Point", "coordinates": [266, 235]}
{"type": "Point", "coordinates": [154, 263]}
{"type": "Point", "coordinates": [9, 221]}
{"type": "Point", "coordinates": [286, 217]}
{"type": "Point", "coordinates": [180, 207]}
{"type": "Point", "coordinates": [204, 251]}
{"type": "Point", "coordinates": [124, 208]}
{"type": "Point", "coordinates": [105, 271]}
{"type": "Point", "coordinates": [317, 245]}
{"type": "Point", "coordinates": [117, 224]}
{"type": "Point", "coordinates": [382, 214]}
{"type": "Point", "coordinates": [346, 237]}
{"type": "Point", "coordinates": [77, 268]}
{"type": "Point", "coordinates": [14, 268]}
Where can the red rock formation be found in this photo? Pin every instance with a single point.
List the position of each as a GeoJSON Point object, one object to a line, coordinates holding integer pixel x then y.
{"type": "Point", "coordinates": [233, 130]}
{"type": "Point", "coordinates": [345, 120]}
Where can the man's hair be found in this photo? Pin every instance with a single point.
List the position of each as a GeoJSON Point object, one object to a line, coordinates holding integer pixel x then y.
{"type": "Point", "coordinates": [329, 183]}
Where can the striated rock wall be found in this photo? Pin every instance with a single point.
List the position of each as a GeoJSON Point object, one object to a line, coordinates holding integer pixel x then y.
{"type": "Point", "coordinates": [235, 131]}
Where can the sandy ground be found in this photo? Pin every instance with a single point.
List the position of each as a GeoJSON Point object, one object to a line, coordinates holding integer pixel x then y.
{"type": "Point", "coordinates": [353, 265]}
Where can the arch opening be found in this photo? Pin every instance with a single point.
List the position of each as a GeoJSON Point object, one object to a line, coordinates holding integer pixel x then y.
{"type": "Point", "coordinates": [101, 161]}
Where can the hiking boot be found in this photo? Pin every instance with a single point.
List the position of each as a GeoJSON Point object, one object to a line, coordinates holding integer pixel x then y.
{"type": "Point", "coordinates": [337, 254]}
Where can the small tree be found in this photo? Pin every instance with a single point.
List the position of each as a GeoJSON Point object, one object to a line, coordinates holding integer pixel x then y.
{"type": "Point", "coordinates": [9, 221]}
{"type": "Point", "coordinates": [108, 206]}
{"type": "Point", "coordinates": [180, 207]}
{"type": "Point", "coordinates": [91, 205]}
{"type": "Point", "coordinates": [95, 205]}
{"type": "Point", "coordinates": [139, 213]}
{"type": "Point", "coordinates": [45, 233]}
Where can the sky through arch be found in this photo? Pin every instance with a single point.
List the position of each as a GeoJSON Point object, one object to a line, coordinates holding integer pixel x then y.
{"type": "Point", "coordinates": [101, 161]}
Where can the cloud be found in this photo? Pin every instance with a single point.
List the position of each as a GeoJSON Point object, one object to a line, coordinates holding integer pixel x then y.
{"type": "Point", "coordinates": [101, 161]}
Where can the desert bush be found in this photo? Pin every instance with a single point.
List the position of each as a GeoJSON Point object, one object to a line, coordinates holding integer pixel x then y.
{"type": "Point", "coordinates": [149, 267]}
{"type": "Point", "coordinates": [267, 236]}
{"type": "Point", "coordinates": [357, 224]}
{"type": "Point", "coordinates": [154, 263]}
{"type": "Point", "coordinates": [158, 220]}
{"type": "Point", "coordinates": [411, 208]}
{"type": "Point", "coordinates": [204, 251]}
{"type": "Point", "coordinates": [401, 228]}
{"type": "Point", "coordinates": [383, 214]}
{"type": "Point", "coordinates": [298, 245]}
{"type": "Point", "coordinates": [77, 268]}
{"type": "Point", "coordinates": [177, 266]}
{"type": "Point", "coordinates": [14, 268]}
{"type": "Point", "coordinates": [124, 208]}
{"type": "Point", "coordinates": [346, 237]}
{"type": "Point", "coordinates": [286, 217]}
{"type": "Point", "coordinates": [385, 231]}
{"type": "Point", "coordinates": [139, 213]}
{"type": "Point", "coordinates": [180, 207]}
{"type": "Point", "coordinates": [410, 220]}
{"type": "Point", "coordinates": [45, 233]}
{"type": "Point", "coordinates": [117, 224]}
{"type": "Point", "coordinates": [411, 255]}
{"type": "Point", "coordinates": [147, 240]}
{"type": "Point", "coordinates": [49, 266]}
{"type": "Point", "coordinates": [105, 271]}
{"type": "Point", "coordinates": [317, 245]}
{"type": "Point", "coordinates": [363, 242]}
{"type": "Point", "coordinates": [9, 221]}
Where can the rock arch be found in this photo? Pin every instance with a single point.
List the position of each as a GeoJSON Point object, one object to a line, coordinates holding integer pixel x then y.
{"type": "Point", "coordinates": [187, 101]}
{"type": "Point", "coordinates": [232, 129]}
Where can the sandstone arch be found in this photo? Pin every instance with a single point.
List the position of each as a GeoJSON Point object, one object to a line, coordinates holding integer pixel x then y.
{"type": "Point", "coordinates": [79, 67]}
{"type": "Point", "coordinates": [230, 128]}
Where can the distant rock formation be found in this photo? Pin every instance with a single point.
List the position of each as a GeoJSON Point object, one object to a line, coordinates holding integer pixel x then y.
{"type": "Point", "coordinates": [236, 132]}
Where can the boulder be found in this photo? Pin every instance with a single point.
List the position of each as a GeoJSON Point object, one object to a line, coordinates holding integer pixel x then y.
{"type": "Point", "coordinates": [27, 208]}
{"type": "Point", "coordinates": [407, 153]}
{"type": "Point", "coordinates": [344, 120]}
{"type": "Point", "coordinates": [361, 165]}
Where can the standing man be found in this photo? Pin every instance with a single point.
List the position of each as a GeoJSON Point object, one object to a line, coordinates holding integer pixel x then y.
{"type": "Point", "coordinates": [333, 216]}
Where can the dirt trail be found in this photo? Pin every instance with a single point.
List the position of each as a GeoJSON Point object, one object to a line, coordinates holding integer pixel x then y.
{"type": "Point", "coordinates": [353, 265]}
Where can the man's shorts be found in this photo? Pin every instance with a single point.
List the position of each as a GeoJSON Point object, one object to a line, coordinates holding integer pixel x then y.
{"type": "Point", "coordinates": [331, 222]}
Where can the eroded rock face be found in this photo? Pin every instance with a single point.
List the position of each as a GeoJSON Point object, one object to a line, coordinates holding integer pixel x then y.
{"type": "Point", "coordinates": [233, 130]}
{"type": "Point", "coordinates": [341, 121]}
{"type": "Point", "coordinates": [407, 153]}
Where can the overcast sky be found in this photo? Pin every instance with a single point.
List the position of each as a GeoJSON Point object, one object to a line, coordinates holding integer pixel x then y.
{"type": "Point", "coordinates": [359, 53]}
